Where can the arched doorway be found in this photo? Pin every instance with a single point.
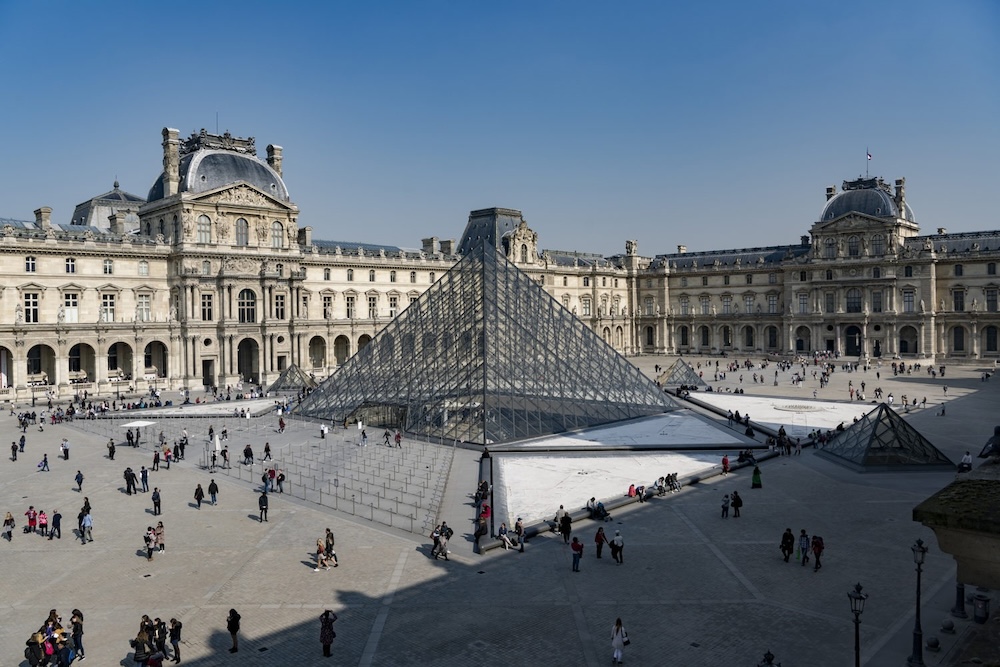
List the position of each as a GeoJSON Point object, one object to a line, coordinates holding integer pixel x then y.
{"type": "Point", "coordinates": [317, 352]}
{"type": "Point", "coordinates": [41, 365]}
{"type": "Point", "coordinates": [958, 337]}
{"type": "Point", "coordinates": [6, 368]}
{"type": "Point", "coordinates": [82, 363]}
{"type": "Point", "coordinates": [772, 337]}
{"type": "Point", "coordinates": [908, 340]}
{"type": "Point", "coordinates": [248, 360]}
{"type": "Point", "coordinates": [154, 360]}
{"type": "Point", "coordinates": [619, 338]}
{"type": "Point", "coordinates": [120, 361]}
{"type": "Point", "coordinates": [877, 348]}
{"type": "Point", "coordinates": [989, 340]}
{"type": "Point", "coordinates": [606, 335]}
{"type": "Point", "coordinates": [748, 341]}
{"type": "Point", "coordinates": [803, 339]}
{"type": "Point", "coordinates": [650, 338]}
{"type": "Point", "coordinates": [364, 340]}
{"type": "Point", "coordinates": [852, 341]}
{"type": "Point", "coordinates": [683, 337]}
{"type": "Point", "coordinates": [727, 338]}
{"type": "Point", "coordinates": [705, 336]}
{"type": "Point", "coordinates": [341, 349]}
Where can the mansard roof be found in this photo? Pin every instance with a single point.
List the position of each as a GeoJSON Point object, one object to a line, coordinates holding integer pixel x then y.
{"type": "Point", "coordinates": [986, 241]}
{"type": "Point", "coordinates": [748, 257]}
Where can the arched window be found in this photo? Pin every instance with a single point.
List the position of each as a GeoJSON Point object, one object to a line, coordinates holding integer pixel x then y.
{"type": "Point", "coordinates": [991, 339]}
{"type": "Point", "coordinates": [431, 278]}
{"type": "Point", "coordinates": [959, 339]}
{"type": "Point", "coordinates": [748, 337]}
{"type": "Point", "coordinates": [247, 306]}
{"type": "Point", "coordinates": [242, 232]}
{"type": "Point", "coordinates": [177, 229]}
{"type": "Point", "coordinates": [162, 228]}
{"type": "Point", "coordinates": [413, 276]}
{"type": "Point", "coordinates": [830, 248]}
{"type": "Point", "coordinates": [326, 274]}
{"type": "Point", "coordinates": [204, 229]}
{"type": "Point", "coordinates": [350, 275]}
{"type": "Point", "coordinates": [524, 254]}
{"type": "Point", "coordinates": [277, 235]}
{"type": "Point", "coordinates": [206, 268]}
{"type": "Point", "coordinates": [878, 245]}
{"type": "Point", "coordinates": [854, 300]}
{"type": "Point", "coordinates": [392, 276]}
{"type": "Point", "coordinates": [649, 336]}
{"type": "Point", "coordinates": [853, 246]}
{"type": "Point", "coordinates": [704, 336]}
{"type": "Point", "coordinates": [907, 271]}
{"type": "Point", "coordinates": [371, 276]}
{"type": "Point", "coordinates": [149, 229]}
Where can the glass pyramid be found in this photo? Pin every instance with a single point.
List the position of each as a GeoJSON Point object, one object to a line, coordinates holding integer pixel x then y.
{"type": "Point", "coordinates": [883, 440]}
{"type": "Point", "coordinates": [291, 381]}
{"type": "Point", "coordinates": [486, 355]}
{"type": "Point", "coordinates": [682, 373]}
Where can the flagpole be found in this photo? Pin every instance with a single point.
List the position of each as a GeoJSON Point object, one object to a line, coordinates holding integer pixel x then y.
{"type": "Point", "coordinates": [868, 159]}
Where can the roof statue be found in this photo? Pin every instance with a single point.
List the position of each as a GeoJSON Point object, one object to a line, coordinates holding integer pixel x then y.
{"type": "Point", "coordinates": [882, 440]}
{"type": "Point", "coordinates": [486, 355]}
{"type": "Point", "coordinates": [292, 380]}
{"type": "Point", "coordinates": [681, 373]}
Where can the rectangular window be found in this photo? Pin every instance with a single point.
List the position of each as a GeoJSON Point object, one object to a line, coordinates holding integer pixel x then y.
{"type": "Point", "coordinates": [725, 280]}
{"type": "Point", "coordinates": [958, 297]}
{"type": "Point", "coordinates": [685, 306]}
{"type": "Point", "coordinates": [877, 301]}
{"type": "Point", "coordinates": [326, 274]}
{"type": "Point", "coordinates": [392, 276]}
{"type": "Point", "coordinates": [749, 279]}
{"type": "Point", "coordinates": [803, 304]}
{"type": "Point", "coordinates": [908, 301]}
{"type": "Point", "coordinates": [772, 278]}
{"type": "Point", "coordinates": [706, 304]}
{"type": "Point", "coordinates": [30, 264]}
{"type": "Point", "coordinates": [350, 307]}
{"type": "Point", "coordinates": [831, 303]}
{"type": "Point", "coordinates": [748, 303]}
{"type": "Point", "coordinates": [648, 305]}
{"type": "Point", "coordinates": [727, 305]}
{"type": "Point", "coordinates": [704, 281]}
{"type": "Point", "coordinates": [109, 267]}
{"type": "Point", "coordinates": [991, 300]}
{"type": "Point", "coordinates": [413, 276]}
{"type": "Point", "coordinates": [107, 307]}
{"type": "Point", "coordinates": [71, 308]}
{"type": "Point", "coordinates": [70, 265]}
{"type": "Point", "coordinates": [372, 307]}
{"type": "Point", "coordinates": [684, 282]}
{"type": "Point", "coordinates": [31, 307]}
{"type": "Point", "coordinates": [279, 306]}
{"type": "Point", "coordinates": [143, 303]}
{"type": "Point", "coordinates": [143, 267]}
{"type": "Point", "coordinates": [585, 307]}
{"type": "Point", "coordinates": [327, 306]}
{"type": "Point", "coordinates": [772, 303]}
{"type": "Point", "coordinates": [413, 298]}
{"type": "Point", "coordinates": [393, 306]}
{"type": "Point", "coordinates": [206, 308]}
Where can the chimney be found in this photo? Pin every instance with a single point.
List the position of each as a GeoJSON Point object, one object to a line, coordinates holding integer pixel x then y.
{"type": "Point", "coordinates": [805, 240]}
{"type": "Point", "coordinates": [448, 247]}
{"type": "Point", "coordinates": [117, 223]}
{"type": "Point", "coordinates": [831, 192]}
{"type": "Point", "coordinates": [171, 162]}
{"type": "Point", "coordinates": [43, 218]}
{"type": "Point", "coordinates": [681, 249]}
{"type": "Point", "coordinates": [430, 245]}
{"type": "Point", "coordinates": [274, 157]}
{"type": "Point", "coordinates": [305, 234]}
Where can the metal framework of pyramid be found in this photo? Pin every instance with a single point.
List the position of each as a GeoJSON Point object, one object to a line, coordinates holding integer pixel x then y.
{"type": "Point", "coordinates": [882, 440]}
{"type": "Point", "coordinates": [291, 380]}
{"type": "Point", "coordinates": [681, 373]}
{"type": "Point", "coordinates": [486, 355]}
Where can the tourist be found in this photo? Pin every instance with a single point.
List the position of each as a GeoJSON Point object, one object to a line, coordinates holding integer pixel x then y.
{"type": "Point", "coordinates": [175, 638]}
{"type": "Point", "coordinates": [262, 506]}
{"type": "Point", "coordinates": [618, 641]}
{"type": "Point", "coordinates": [618, 547]}
{"type": "Point", "coordinates": [600, 539]}
{"type": "Point", "coordinates": [725, 506]}
{"type": "Point", "coordinates": [79, 481]}
{"type": "Point", "coordinates": [577, 547]}
{"type": "Point", "coordinates": [803, 546]}
{"type": "Point", "coordinates": [755, 479]}
{"type": "Point", "coordinates": [737, 503]}
{"type": "Point", "coordinates": [213, 491]}
{"type": "Point", "coordinates": [329, 543]}
{"type": "Point", "coordinates": [233, 625]}
{"type": "Point", "coordinates": [199, 495]}
{"type": "Point", "coordinates": [326, 632]}
{"type": "Point", "coordinates": [160, 537]}
{"type": "Point", "coordinates": [787, 544]}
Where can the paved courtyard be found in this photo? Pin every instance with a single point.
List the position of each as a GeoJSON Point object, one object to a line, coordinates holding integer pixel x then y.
{"type": "Point", "coordinates": [693, 590]}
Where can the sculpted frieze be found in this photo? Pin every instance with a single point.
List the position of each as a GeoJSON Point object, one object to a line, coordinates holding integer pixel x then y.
{"type": "Point", "coordinates": [241, 265]}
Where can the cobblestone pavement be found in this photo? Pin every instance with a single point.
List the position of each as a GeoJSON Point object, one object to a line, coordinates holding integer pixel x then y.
{"type": "Point", "coordinates": [694, 589]}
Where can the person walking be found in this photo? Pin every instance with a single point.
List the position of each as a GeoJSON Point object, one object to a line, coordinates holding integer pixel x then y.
{"type": "Point", "coordinates": [320, 556]}
{"type": "Point", "coordinates": [619, 547]}
{"type": "Point", "coordinates": [64, 447]}
{"type": "Point", "coordinates": [803, 546]}
{"type": "Point", "coordinates": [13, 451]}
{"type": "Point", "coordinates": [566, 526]}
{"type": "Point", "coordinates": [364, 438]}
{"type": "Point", "coordinates": [329, 542]}
{"type": "Point", "coordinates": [262, 506]}
{"type": "Point", "coordinates": [600, 539]}
{"type": "Point", "coordinates": [86, 535]}
{"type": "Point", "coordinates": [387, 435]}
{"type": "Point", "coordinates": [144, 478]}
{"type": "Point", "coordinates": [156, 501]}
{"type": "Point", "coordinates": [725, 464]}
{"type": "Point", "coordinates": [817, 551]}
{"type": "Point", "coordinates": [399, 439]}
{"type": "Point", "coordinates": [22, 440]}
{"type": "Point", "coordinates": [79, 481]}
{"type": "Point", "coordinates": [225, 457]}
{"type": "Point", "coordinates": [43, 523]}
{"type": "Point", "coordinates": [755, 479]}
{"type": "Point", "coordinates": [199, 495]}
{"type": "Point", "coordinates": [8, 527]}
{"type": "Point", "coordinates": [175, 638]}
{"type": "Point", "coordinates": [787, 544]}
{"type": "Point", "coordinates": [213, 491]}
{"type": "Point", "coordinates": [267, 452]}
{"type": "Point", "coordinates": [619, 640]}
{"type": "Point", "coordinates": [725, 506]}
{"type": "Point", "coordinates": [737, 503]}
{"type": "Point", "coordinates": [156, 459]}
{"type": "Point", "coordinates": [44, 465]}
{"type": "Point", "coordinates": [129, 477]}
{"type": "Point", "coordinates": [56, 531]}
{"type": "Point", "coordinates": [111, 450]}
{"type": "Point", "coordinates": [233, 625]}
{"type": "Point", "coordinates": [326, 632]}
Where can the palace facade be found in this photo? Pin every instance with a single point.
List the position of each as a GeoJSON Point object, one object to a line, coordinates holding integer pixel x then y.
{"type": "Point", "coordinates": [210, 280]}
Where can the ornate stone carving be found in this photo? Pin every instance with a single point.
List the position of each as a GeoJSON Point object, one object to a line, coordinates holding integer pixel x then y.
{"type": "Point", "coordinates": [631, 247]}
{"type": "Point", "coordinates": [222, 228]}
{"type": "Point", "coordinates": [188, 220]}
{"type": "Point", "coordinates": [262, 231]}
{"type": "Point", "coordinates": [241, 265]}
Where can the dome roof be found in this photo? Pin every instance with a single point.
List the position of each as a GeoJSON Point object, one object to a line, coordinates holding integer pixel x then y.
{"type": "Point", "coordinates": [206, 170]}
{"type": "Point", "coordinates": [870, 198]}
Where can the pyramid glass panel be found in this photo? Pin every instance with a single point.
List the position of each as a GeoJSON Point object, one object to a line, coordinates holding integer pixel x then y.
{"type": "Point", "coordinates": [292, 380]}
{"type": "Point", "coordinates": [884, 440]}
{"type": "Point", "coordinates": [681, 373]}
{"type": "Point", "coordinates": [486, 355]}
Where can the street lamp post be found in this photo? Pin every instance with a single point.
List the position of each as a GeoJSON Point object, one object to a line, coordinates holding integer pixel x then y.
{"type": "Point", "coordinates": [917, 656]}
{"type": "Point", "coordinates": [857, 599]}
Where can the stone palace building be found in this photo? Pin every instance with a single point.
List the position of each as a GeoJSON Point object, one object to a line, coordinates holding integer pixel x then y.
{"type": "Point", "coordinates": [211, 281]}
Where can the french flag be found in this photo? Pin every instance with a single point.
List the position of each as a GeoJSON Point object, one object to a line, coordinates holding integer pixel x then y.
{"type": "Point", "coordinates": [869, 156]}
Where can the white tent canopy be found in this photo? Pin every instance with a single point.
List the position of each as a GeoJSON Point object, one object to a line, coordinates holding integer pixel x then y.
{"type": "Point", "coordinates": [137, 424]}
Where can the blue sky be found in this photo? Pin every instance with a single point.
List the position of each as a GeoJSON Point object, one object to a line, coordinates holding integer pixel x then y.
{"type": "Point", "coordinates": [714, 125]}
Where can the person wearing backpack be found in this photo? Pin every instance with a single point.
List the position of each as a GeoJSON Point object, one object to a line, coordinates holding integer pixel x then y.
{"type": "Point", "coordinates": [817, 550]}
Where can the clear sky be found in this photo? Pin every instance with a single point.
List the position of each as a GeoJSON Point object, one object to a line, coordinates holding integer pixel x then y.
{"type": "Point", "coordinates": [711, 124]}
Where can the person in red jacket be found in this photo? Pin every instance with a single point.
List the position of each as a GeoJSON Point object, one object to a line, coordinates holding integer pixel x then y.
{"type": "Point", "coordinates": [577, 547]}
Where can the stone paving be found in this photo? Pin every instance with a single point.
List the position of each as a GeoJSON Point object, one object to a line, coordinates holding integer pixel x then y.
{"type": "Point", "coordinates": [694, 589]}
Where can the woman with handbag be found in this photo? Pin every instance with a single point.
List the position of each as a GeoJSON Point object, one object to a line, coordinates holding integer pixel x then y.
{"type": "Point", "coordinates": [619, 640]}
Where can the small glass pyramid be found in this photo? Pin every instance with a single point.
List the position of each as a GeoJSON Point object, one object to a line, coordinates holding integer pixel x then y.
{"type": "Point", "coordinates": [291, 381]}
{"type": "Point", "coordinates": [681, 373]}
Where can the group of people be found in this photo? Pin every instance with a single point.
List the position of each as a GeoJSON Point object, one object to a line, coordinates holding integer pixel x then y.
{"type": "Point", "coordinates": [150, 646]}
{"type": "Point", "coordinates": [802, 548]}
{"type": "Point", "coordinates": [325, 552]}
{"type": "Point", "coordinates": [54, 645]}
